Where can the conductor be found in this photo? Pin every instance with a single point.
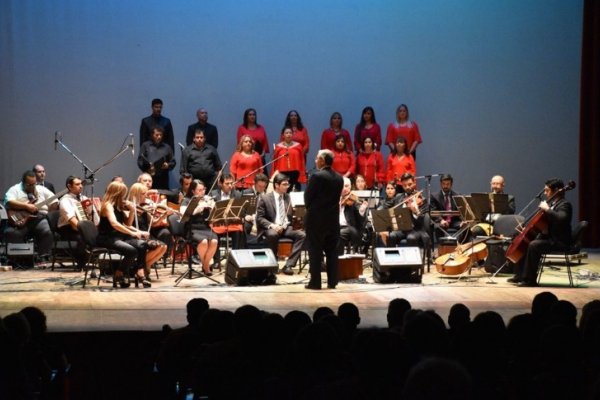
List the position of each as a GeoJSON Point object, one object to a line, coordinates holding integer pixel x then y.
{"type": "Point", "coordinates": [321, 222]}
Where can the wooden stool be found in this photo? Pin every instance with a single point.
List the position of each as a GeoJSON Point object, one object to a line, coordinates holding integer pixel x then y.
{"type": "Point", "coordinates": [350, 266]}
{"type": "Point", "coordinates": [284, 248]}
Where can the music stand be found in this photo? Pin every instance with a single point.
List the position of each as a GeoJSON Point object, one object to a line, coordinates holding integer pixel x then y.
{"type": "Point", "coordinates": [491, 203]}
{"type": "Point", "coordinates": [392, 219]}
{"type": "Point", "coordinates": [191, 273]}
{"type": "Point", "coordinates": [226, 216]}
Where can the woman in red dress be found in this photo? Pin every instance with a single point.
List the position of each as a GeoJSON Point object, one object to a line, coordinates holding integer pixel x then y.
{"type": "Point", "coordinates": [245, 163]}
{"type": "Point", "coordinates": [251, 128]}
{"type": "Point", "coordinates": [335, 128]}
{"type": "Point", "coordinates": [300, 134]}
{"type": "Point", "coordinates": [290, 161]}
{"type": "Point", "coordinates": [400, 162]}
{"type": "Point", "coordinates": [344, 162]}
{"type": "Point", "coordinates": [403, 127]}
{"type": "Point", "coordinates": [369, 164]}
{"type": "Point", "coordinates": [367, 127]}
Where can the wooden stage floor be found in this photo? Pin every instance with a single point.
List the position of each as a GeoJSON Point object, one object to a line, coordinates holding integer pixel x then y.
{"type": "Point", "coordinates": [97, 308]}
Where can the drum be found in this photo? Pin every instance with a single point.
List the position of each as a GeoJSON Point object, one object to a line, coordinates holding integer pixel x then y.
{"type": "Point", "coordinates": [446, 244]}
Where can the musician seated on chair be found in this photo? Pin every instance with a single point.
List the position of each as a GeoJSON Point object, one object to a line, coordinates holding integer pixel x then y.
{"type": "Point", "coordinates": [558, 213]}
{"type": "Point", "coordinates": [274, 221]}
{"type": "Point", "coordinates": [352, 218]}
{"type": "Point", "coordinates": [226, 191]}
{"type": "Point", "coordinates": [391, 200]}
{"type": "Point", "coordinates": [418, 236]}
{"type": "Point", "coordinates": [160, 226]}
{"type": "Point", "coordinates": [496, 187]}
{"type": "Point", "coordinates": [156, 158]}
{"type": "Point", "coordinates": [443, 201]}
{"type": "Point", "coordinates": [27, 210]}
{"type": "Point", "coordinates": [177, 195]}
{"type": "Point", "coordinates": [261, 181]}
{"type": "Point", "coordinates": [75, 207]}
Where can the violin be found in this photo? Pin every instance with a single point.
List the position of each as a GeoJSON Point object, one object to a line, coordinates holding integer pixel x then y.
{"type": "Point", "coordinates": [465, 255]}
{"type": "Point", "coordinates": [349, 199]}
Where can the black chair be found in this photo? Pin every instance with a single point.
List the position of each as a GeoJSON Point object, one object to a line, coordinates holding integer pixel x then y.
{"type": "Point", "coordinates": [505, 228]}
{"type": "Point", "coordinates": [574, 249]}
{"type": "Point", "coordinates": [63, 248]}
{"type": "Point", "coordinates": [89, 232]}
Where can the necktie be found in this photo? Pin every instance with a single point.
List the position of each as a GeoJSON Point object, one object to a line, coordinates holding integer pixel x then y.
{"type": "Point", "coordinates": [447, 206]}
{"type": "Point", "coordinates": [282, 216]}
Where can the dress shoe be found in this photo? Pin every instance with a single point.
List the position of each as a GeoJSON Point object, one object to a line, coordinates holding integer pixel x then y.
{"type": "Point", "coordinates": [207, 273]}
{"type": "Point", "coordinates": [514, 279]}
{"type": "Point", "coordinates": [287, 271]}
{"type": "Point", "coordinates": [527, 284]}
{"type": "Point", "coordinates": [312, 286]}
{"type": "Point", "coordinates": [331, 286]}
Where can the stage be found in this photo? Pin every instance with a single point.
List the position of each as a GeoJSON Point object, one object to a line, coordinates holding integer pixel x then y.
{"type": "Point", "coordinates": [71, 308]}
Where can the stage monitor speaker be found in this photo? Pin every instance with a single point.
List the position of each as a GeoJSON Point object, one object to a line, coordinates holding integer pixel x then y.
{"type": "Point", "coordinates": [397, 264]}
{"type": "Point", "coordinates": [251, 267]}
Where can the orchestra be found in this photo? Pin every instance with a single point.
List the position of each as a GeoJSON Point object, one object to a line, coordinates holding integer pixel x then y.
{"type": "Point", "coordinates": [135, 222]}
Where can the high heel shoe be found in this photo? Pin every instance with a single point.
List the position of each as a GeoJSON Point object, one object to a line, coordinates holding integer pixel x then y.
{"type": "Point", "coordinates": [206, 273]}
{"type": "Point", "coordinates": [139, 279]}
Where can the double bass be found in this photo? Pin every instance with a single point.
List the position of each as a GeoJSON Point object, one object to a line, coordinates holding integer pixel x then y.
{"type": "Point", "coordinates": [536, 224]}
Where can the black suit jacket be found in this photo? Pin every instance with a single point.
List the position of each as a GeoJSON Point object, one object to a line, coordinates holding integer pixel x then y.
{"type": "Point", "coordinates": [353, 217]}
{"type": "Point", "coordinates": [266, 211]}
{"type": "Point", "coordinates": [559, 223]}
{"type": "Point", "coordinates": [438, 204]}
{"type": "Point", "coordinates": [217, 194]}
{"type": "Point", "coordinates": [322, 199]}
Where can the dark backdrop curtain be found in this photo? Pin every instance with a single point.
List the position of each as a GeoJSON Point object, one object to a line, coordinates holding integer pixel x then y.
{"type": "Point", "coordinates": [589, 132]}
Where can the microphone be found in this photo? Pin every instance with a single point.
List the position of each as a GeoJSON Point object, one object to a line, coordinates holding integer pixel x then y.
{"type": "Point", "coordinates": [182, 146]}
{"type": "Point", "coordinates": [132, 144]}
{"type": "Point", "coordinates": [55, 139]}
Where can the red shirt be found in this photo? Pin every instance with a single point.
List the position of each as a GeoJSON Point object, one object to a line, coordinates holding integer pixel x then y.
{"type": "Point", "coordinates": [261, 143]}
{"type": "Point", "coordinates": [328, 139]}
{"type": "Point", "coordinates": [293, 162]}
{"type": "Point", "coordinates": [300, 136]}
{"type": "Point", "coordinates": [241, 165]}
{"type": "Point", "coordinates": [409, 131]}
{"type": "Point", "coordinates": [343, 162]}
{"type": "Point", "coordinates": [360, 133]}
{"type": "Point", "coordinates": [397, 166]}
{"type": "Point", "coordinates": [371, 167]}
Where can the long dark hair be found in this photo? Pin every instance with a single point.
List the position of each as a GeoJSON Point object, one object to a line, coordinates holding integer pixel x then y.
{"type": "Point", "coordinates": [362, 122]}
{"type": "Point", "coordinates": [248, 111]}
{"type": "Point", "coordinates": [288, 124]}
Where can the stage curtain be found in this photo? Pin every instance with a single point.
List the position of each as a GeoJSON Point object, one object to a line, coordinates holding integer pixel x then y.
{"type": "Point", "coordinates": [589, 131]}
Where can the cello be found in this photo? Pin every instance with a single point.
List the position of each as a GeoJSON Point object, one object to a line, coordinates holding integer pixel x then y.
{"type": "Point", "coordinates": [536, 224]}
{"type": "Point", "coordinates": [458, 261]}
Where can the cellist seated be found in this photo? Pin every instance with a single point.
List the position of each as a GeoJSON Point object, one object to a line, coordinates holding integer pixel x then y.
{"type": "Point", "coordinates": [557, 212]}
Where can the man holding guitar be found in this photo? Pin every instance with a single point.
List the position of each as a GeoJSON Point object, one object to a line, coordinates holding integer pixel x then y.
{"type": "Point", "coordinates": [27, 204]}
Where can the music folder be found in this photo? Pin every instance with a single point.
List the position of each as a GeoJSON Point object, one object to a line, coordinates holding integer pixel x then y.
{"type": "Point", "coordinates": [392, 219]}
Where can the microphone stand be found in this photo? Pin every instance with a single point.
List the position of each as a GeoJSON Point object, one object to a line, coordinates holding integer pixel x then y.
{"type": "Point", "coordinates": [258, 169]}
{"type": "Point", "coordinates": [428, 213]}
{"type": "Point", "coordinates": [89, 174]}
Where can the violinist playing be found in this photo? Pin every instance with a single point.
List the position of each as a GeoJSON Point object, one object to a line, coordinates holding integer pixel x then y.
{"type": "Point", "coordinates": [143, 219]}
{"type": "Point", "coordinates": [201, 234]}
{"type": "Point", "coordinates": [159, 209]}
{"type": "Point", "coordinates": [558, 212]}
{"type": "Point", "coordinates": [352, 218]}
{"type": "Point", "coordinates": [72, 211]}
{"type": "Point", "coordinates": [413, 200]}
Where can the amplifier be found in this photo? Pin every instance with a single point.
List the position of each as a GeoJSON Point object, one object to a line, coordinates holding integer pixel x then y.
{"type": "Point", "coordinates": [20, 249]}
{"type": "Point", "coordinates": [251, 267]}
{"type": "Point", "coordinates": [397, 264]}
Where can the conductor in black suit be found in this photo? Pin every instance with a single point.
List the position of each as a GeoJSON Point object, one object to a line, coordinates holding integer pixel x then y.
{"type": "Point", "coordinates": [274, 220]}
{"type": "Point", "coordinates": [558, 212]}
{"type": "Point", "coordinates": [322, 224]}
